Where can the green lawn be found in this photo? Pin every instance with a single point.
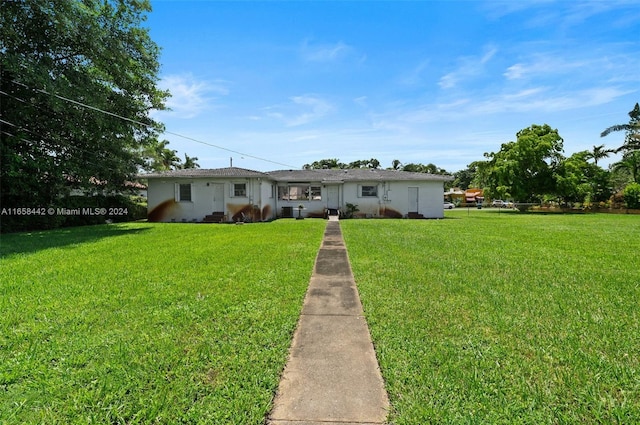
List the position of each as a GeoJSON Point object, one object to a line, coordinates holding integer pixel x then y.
{"type": "Point", "coordinates": [478, 318]}
{"type": "Point", "coordinates": [504, 318]}
{"type": "Point", "coordinates": [150, 323]}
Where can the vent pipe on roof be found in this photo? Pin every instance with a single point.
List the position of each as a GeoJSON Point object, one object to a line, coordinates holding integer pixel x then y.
{"type": "Point", "coordinates": [230, 161]}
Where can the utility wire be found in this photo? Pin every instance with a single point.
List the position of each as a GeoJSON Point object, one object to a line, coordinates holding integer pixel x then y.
{"type": "Point", "coordinates": [75, 102]}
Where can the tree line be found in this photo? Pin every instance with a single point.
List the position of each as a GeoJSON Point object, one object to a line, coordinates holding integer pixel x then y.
{"type": "Point", "coordinates": [533, 168]}
{"type": "Point", "coordinates": [334, 163]}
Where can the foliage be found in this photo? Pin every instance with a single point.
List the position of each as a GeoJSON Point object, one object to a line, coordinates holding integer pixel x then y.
{"type": "Point", "coordinates": [365, 163]}
{"type": "Point", "coordinates": [599, 152]}
{"type": "Point", "coordinates": [150, 323]}
{"type": "Point", "coordinates": [421, 168]}
{"type": "Point", "coordinates": [536, 322]}
{"type": "Point", "coordinates": [632, 195]}
{"type": "Point", "coordinates": [58, 57]}
{"type": "Point", "coordinates": [464, 178]}
{"type": "Point", "coordinates": [190, 162]}
{"type": "Point", "coordinates": [524, 170]}
{"type": "Point", "coordinates": [158, 157]}
{"type": "Point", "coordinates": [577, 180]}
{"type": "Point", "coordinates": [630, 163]}
{"type": "Point", "coordinates": [374, 164]}
{"type": "Point", "coordinates": [351, 210]}
{"type": "Point", "coordinates": [330, 164]}
{"type": "Point", "coordinates": [632, 132]}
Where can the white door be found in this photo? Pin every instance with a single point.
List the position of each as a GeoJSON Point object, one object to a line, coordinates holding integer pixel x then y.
{"type": "Point", "coordinates": [333, 197]}
{"type": "Point", "coordinates": [413, 199]}
{"type": "Point", "coordinates": [218, 197]}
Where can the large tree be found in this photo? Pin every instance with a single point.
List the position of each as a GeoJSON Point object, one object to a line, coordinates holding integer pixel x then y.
{"type": "Point", "coordinates": [78, 81]}
{"type": "Point", "coordinates": [524, 170]}
{"type": "Point", "coordinates": [578, 180]}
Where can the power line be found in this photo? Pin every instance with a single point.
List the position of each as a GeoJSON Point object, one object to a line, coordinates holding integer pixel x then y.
{"type": "Point", "coordinates": [75, 102]}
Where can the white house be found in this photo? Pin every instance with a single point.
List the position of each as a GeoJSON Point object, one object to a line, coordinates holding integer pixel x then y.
{"type": "Point", "coordinates": [237, 194]}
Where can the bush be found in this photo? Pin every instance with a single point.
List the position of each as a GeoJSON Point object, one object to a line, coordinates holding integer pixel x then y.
{"type": "Point", "coordinates": [632, 195]}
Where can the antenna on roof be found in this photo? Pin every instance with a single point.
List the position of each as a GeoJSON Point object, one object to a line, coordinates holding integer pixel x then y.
{"type": "Point", "coordinates": [230, 161]}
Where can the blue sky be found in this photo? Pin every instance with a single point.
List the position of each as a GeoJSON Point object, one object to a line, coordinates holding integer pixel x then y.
{"type": "Point", "coordinates": [419, 81]}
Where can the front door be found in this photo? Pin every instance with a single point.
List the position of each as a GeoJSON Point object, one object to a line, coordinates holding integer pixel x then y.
{"type": "Point", "coordinates": [218, 197]}
{"type": "Point", "coordinates": [413, 200]}
{"type": "Point", "coordinates": [333, 197]}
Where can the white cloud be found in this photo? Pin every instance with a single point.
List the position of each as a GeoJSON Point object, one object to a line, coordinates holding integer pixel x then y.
{"type": "Point", "coordinates": [325, 52]}
{"type": "Point", "coordinates": [361, 101]}
{"type": "Point", "coordinates": [448, 81]}
{"type": "Point", "coordinates": [414, 76]}
{"type": "Point", "coordinates": [515, 72]}
{"type": "Point", "coordinates": [469, 66]}
{"type": "Point", "coordinates": [189, 96]}
{"type": "Point", "coordinates": [300, 110]}
{"type": "Point", "coordinates": [544, 99]}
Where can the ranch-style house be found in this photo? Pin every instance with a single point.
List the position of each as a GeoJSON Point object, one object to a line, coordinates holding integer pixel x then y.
{"type": "Point", "coordinates": [235, 194]}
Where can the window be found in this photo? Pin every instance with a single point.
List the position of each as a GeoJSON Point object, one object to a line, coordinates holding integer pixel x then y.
{"type": "Point", "coordinates": [316, 193]}
{"type": "Point", "coordinates": [283, 193]}
{"type": "Point", "coordinates": [300, 192]}
{"type": "Point", "coordinates": [369, 191]}
{"type": "Point", "coordinates": [240, 189]}
{"type": "Point", "coordinates": [184, 192]}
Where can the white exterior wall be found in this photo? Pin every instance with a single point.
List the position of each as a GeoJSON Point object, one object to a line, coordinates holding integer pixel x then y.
{"type": "Point", "coordinates": [162, 197]}
{"type": "Point", "coordinates": [367, 206]}
{"type": "Point", "coordinates": [393, 198]}
{"type": "Point", "coordinates": [268, 194]}
{"type": "Point", "coordinates": [431, 198]}
{"type": "Point", "coordinates": [163, 204]}
{"type": "Point", "coordinates": [261, 201]}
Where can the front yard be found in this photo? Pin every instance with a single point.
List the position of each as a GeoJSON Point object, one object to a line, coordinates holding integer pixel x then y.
{"type": "Point", "coordinates": [483, 317]}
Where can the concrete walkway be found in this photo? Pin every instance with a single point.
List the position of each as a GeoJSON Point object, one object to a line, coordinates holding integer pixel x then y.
{"type": "Point", "coordinates": [332, 375]}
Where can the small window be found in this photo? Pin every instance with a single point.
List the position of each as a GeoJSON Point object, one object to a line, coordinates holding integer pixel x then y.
{"type": "Point", "coordinates": [283, 193]}
{"type": "Point", "coordinates": [240, 189]}
{"type": "Point", "coordinates": [369, 191]}
{"type": "Point", "coordinates": [316, 193]}
{"type": "Point", "coordinates": [184, 193]}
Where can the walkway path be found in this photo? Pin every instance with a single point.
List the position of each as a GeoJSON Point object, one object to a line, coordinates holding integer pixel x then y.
{"type": "Point", "coordinates": [332, 374]}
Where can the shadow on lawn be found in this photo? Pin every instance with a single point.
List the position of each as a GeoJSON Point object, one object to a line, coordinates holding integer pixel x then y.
{"type": "Point", "coordinates": [30, 242]}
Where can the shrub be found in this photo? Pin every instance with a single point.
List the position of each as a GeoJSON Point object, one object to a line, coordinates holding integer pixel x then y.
{"type": "Point", "coordinates": [632, 195]}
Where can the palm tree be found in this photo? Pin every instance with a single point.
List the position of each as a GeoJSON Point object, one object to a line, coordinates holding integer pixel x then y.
{"type": "Point", "coordinates": [190, 162]}
{"type": "Point", "coordinates": [599, 152]}
{"type": "Point", "coordinates": [630, 163]}
{"type": "Point", "coordinates": [169, 159]}
{"type": "Point", "coordinates": [632, 137]}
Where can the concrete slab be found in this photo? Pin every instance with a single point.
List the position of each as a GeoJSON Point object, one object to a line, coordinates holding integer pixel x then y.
{"type": "Point", "coordinates": [332, 298]}
{"type": "Point", "coordinates": [332, 374]}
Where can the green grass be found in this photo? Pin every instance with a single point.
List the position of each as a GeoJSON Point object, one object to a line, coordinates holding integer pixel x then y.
{"type": "Point", "coordinates": [478, 318]}
{"type": "Point", "coordinates": [150, 323]}
{"type": "Point", "coordinates": [503, 318]}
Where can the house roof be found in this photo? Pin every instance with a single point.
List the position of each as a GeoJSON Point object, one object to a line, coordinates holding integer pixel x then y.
{"type": "Point", "coordinates": [204, 172]}
{"type": "Point", "coordinates": [353, 174]}
{"type": "Point", "coordinates": [323, 176]}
